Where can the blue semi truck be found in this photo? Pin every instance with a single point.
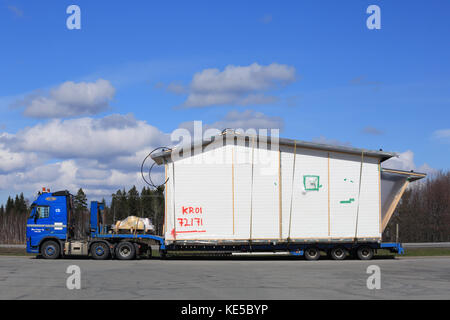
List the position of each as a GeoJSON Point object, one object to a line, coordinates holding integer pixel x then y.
{"type": "Point", "coordinates": [51, 234]}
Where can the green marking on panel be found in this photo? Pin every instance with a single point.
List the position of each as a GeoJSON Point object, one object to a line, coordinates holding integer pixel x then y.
{"type": "Point", "coordinates": [311, 183]}
{"type": "Point", "coordinates": [348, 201]}
{"type": "Point", "coordinates": [348, 180]}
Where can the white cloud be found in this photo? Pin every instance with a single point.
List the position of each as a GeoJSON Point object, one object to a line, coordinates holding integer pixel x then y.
{"type": "Point", "coordinates": [248, 119]}
{"type": "Point", "coordinates": [238, 85]}
{"type": "Point", "coordinates": [405, 161]}
{"type": "Point", "coordinates": [111, 136]}
{"type": "Point", "coordinates": [10, 160]}
{"type": "Point", "coordinates": [99, 155]}
{"type": "Point", "coordinates": [372, 131]}
{"type": "Point", "coordinates": [443, 135]}
{"type": "Point", "coordinates": [176, 87]}
{"type": "Point", "coordinates": [69, 99]}
{"type": "Point", "coordinates": [17, 12]}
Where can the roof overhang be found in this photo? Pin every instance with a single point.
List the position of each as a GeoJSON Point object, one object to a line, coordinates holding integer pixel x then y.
{"type": "Point", "coordinates": [162, 156]}
{"type": "Point", "coordinates": [409, 175]}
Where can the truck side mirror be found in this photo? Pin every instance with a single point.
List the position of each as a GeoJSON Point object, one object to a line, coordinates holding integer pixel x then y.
{"type": "Point", "coordinates": [35, 215]}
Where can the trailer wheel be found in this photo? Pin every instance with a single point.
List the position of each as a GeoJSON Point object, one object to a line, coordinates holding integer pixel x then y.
{"type": "Point", "coordinates": [312, 253]}
{"type": "Point", "coordinates": [364, 253]}
{"type": "Point", "coordinates": [338, 253]}
{"type": "Point", "coordinates": [100, 251]}
{"type": "Point", "coordinates": [50, 250]}
{"type": "Point", "coordinates": [125, 251]}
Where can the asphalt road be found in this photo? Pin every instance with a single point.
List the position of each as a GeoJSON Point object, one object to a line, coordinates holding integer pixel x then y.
{"type": "Point", "coordinates": [232, 278]}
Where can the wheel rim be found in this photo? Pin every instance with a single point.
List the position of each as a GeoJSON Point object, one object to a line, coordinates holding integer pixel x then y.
{"type": "Point", "coordinates": [50, 250]}
{"type": "Point", "coordinates": [339, 253]}
{"type": "Point", "coordinates": [312, 253]}
{"type": "Point", "coordinates": [125, 251]}
{"type": "Point", "coordinates": [99, 251]}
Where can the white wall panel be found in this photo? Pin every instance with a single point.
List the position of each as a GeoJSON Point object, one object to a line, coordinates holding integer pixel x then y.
{"type": "Point", "coordinates": [344, 186]}
{"type": "Point", "coordinates": [265, 195]}
{"type": "Point", "coordinates": [309, 217]}
{"type": "Point", "coordinates": [203, 197]}
{"type": "Point", "coordinates": [242, 191]}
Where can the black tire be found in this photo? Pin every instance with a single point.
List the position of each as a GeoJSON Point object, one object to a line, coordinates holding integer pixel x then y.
{"type": "Point", "coordinates": [312, 253]}
{"type": "Point", "coordinates": [338, 253]}
{"type": "Point", "coordinates": [50, 250]}
{"type": "Point", "coordinates": [100, 251]}
{"type": "Point", "coordinates": [125, 251]}
{"type": "Point", "coordinates": [364, 253]}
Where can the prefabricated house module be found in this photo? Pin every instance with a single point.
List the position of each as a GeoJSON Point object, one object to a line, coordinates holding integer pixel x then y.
{"type": "Point", "coordinates": [235, 189]}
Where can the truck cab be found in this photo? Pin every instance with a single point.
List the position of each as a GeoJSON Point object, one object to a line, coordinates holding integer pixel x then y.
{"type": "Point", "coordinates": [48, 222]}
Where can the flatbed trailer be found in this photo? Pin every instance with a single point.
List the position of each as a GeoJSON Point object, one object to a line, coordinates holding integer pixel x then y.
{"type": "Point", "coordinates": [50, 233]}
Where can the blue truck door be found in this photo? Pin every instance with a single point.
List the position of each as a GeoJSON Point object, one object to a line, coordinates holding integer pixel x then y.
{"type": "Point", "coordinates": [31, 230]}
{"type": "Point", "coordinates": [38, 224]}
{"type": "Point", "coordinates": [47, 221]}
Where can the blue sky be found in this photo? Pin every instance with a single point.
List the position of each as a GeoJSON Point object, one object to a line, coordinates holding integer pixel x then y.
{"type": "Point", "coordinates": [340, 82]}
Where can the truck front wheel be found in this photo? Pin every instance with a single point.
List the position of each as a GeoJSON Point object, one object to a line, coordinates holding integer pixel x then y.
{"type": "Point", "coordinates": [125, 251]}
{"type": "Point", "coordinates": [50, 250]}
{"type": "Point", "coordinates": [100, 251]}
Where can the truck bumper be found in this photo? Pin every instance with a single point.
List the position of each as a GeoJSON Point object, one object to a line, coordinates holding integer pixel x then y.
{"type": "Point", "coordinates": [393, 247]}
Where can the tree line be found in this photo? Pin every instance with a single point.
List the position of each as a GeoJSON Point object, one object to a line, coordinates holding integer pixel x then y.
{"type": "Point", "coordinates": [423, 214]}
{"type": "Point", "coordinates": [149, 203]}
{"type": "Point", "coordinates": [13, 218]}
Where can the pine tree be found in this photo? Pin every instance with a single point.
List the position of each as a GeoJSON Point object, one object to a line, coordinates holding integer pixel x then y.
{"type": "Point", "coordinates": [16, 204]}
{"type": "Point", "coordinates": [133, 202]}
{"type": "Point", "coordinates": [159, 206]}
{"type": "Point", "coordinates": [147, 204]}
{"type": "Point", "coordinates": [9, 205]}
{"type": "Point", "coordinates": [107, 211]}
{"type": "Point", "coordinates": [80, 217]}
{"type": "Point", "coordinates": [114, 206]}
{"type": "Point", "coordinates": [120, 205]}
{"type": "Point", "coordinates": [123, 205]}
{"type": "Point", "coordinates": [23, 207]}
{"type": "Point", "coordinates": [80, 201]}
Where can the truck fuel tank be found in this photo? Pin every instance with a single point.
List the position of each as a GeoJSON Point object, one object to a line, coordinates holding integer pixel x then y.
{"type": "Point", "coordinates": [76, 248]}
